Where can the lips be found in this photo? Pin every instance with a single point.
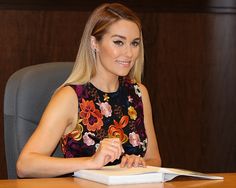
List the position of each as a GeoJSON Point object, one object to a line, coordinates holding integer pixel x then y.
{"type": "Point", "coordinates": [123, 62]}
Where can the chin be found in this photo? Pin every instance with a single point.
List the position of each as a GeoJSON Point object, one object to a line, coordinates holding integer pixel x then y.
{"type": "Point", "coordinates": [123, 74]}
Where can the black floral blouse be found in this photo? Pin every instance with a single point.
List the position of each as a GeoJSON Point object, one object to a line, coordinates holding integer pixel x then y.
{"type": "Point", "coordinates": [106, 115]}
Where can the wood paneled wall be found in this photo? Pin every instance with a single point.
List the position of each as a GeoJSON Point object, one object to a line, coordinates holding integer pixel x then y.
{"type": "Point", "coordinates": [190, 69]}
{"type": "Point", "coordinates": [191, 76]}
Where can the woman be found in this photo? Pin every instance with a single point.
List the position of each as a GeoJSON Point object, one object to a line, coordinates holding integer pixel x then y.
{"type": "Point", "coordinates": [102, 113]}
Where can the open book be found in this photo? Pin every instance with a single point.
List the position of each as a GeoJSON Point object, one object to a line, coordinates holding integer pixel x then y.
{"type": "Point", "coordinates": [114, 175]}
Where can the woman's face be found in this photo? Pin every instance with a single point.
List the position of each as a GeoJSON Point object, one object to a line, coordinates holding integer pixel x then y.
{"type": "Point", "coordinates": [118, 49]}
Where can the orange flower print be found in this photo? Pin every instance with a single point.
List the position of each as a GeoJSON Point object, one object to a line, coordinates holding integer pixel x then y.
{"type": "Point", "coordinates": [92, 118]}
{"type": "Point", "coordinates": [117, 131]}
{"type": "Point", "coordinates": [76, 134]}
{"type": "Point", "coordinates": [63, 144]}
{"type": "Point", "coordinates": [132, 113]}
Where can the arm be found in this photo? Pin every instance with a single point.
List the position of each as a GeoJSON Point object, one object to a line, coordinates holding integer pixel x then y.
{"type": "Point", "coordinates": [59, 118]}
{"type": "Point", "coordinates": [152, 156]}
{"type": "Point", "coordinates": [35, 160]}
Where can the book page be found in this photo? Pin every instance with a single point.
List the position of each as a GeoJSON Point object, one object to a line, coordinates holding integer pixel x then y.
{"type": "Point", "coordinates": [170, 173]}
{"type": "Point", "coordinates": [116, 175]}
{"type": "Point", "coordinates": [116, 170]}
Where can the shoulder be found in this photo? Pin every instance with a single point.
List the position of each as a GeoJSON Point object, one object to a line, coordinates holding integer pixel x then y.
{"type": "Point", "coordinates": [66, 91]}
{"type": "Point", "coordinates": [62, 108]}
{"type": "Point", "coordinates": [65, 96]}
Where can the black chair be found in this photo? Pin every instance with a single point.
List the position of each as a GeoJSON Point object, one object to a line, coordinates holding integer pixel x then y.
{"type": "Point", "coordinates": [27, 93]}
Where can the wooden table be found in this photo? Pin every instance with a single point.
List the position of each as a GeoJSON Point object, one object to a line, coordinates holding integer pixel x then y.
{"type": "Point", "coordinates": [70, 182]}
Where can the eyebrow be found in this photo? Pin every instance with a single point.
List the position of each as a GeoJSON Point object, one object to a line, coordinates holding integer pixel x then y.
{"type": "Point", "coordinates": [120, 36]}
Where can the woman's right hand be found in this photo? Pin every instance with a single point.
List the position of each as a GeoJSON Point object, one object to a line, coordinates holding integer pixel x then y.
{"type": "Point", "coordinates": [109, 150]}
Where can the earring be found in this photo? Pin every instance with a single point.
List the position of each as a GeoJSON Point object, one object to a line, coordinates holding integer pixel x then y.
{"type": "Point", "coordinates": [94, 52]}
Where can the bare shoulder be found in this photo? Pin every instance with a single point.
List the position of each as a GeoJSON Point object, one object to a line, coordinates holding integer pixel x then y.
{"type": "Point", "coordinates": [66, 90]}
{"type": "Point", "coordinates": [62, 108]}
{"type": "Point", "coordinates": [65, 94]}
{"type": "Point", "coordinates": [64, 101]}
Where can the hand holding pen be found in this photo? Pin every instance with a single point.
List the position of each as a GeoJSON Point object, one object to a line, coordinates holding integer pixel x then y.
{"type": "Point", "coordinates": [109, 150]}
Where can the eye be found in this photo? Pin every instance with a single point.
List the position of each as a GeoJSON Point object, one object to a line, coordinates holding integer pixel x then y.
{"type": "Point", "coordinates": [135, 43]}
{"type": "Point", "coordinates": [118, 42]}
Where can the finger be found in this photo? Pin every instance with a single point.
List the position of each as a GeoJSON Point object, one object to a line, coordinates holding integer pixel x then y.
{"type": "Point", "coordinates": [130, 161]}
{"type": "Point", "coordinates": [143, 163]}
{"type": "Point", "coordinates": [137, 161]}
{"type": "Point", "coordinates": [107, 159]}
{"type": "Point", "coordinates": [101, 157]}
{"type": "Point", "coordinates": [117, 143]}
{"type": "Point", "coordinates": [107, 150]}
{"type": "Point", "coordinates": [123, 161]}
{"type": "Point", "coordinates": [113, 147]}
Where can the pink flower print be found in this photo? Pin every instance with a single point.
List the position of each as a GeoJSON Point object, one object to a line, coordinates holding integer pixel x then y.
{"type": "Point", "coordinates": [105, 108]}
{"type": "Point", "coordinates": [130, 99]}
{"type": "Point", "coordinates": [134, 139]}
{"type": "Point", "coordinates": [87, 140]}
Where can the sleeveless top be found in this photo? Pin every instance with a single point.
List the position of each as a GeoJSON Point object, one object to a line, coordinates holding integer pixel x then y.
{"type": "Point", "coordinates": [106, 115]}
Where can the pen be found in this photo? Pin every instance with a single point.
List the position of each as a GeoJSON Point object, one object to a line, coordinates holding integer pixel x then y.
{"type": "Point", "coordinates": [94, 138]}
{"type": "Point", "coordinates": [97, 140]}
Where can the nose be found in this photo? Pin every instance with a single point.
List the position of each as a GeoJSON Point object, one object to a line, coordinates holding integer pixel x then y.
{"type": "Point", "coordinates": [128, 51]}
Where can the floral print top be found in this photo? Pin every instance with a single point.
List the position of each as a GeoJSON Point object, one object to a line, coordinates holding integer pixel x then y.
{"type": "Point", "coordinates": [105, 115]}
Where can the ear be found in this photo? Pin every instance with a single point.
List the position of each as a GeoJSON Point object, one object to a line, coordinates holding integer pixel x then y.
{"type": "Point", "coordinates": [93, 43]}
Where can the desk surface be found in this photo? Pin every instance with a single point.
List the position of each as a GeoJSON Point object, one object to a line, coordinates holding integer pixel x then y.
{"type": "Point", "coordinates": [70, 182]}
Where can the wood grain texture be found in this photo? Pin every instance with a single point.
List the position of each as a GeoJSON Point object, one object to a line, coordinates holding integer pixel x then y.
{"type": "Point", "coordinates": [226, 6]}
{"type": "Point", "coordinates": [33, 37]}
{"type": "Point", "coordinates": [190, 72]}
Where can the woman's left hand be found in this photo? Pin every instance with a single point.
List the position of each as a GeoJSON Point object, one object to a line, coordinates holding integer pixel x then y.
{"type": "Point", "coordinates": [132, 161]}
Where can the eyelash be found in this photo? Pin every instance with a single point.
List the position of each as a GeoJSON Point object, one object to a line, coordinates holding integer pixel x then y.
{"type": "Point", "coordinates": [120, 43]}
{"type": "Point", "coordinates": [135, 43]}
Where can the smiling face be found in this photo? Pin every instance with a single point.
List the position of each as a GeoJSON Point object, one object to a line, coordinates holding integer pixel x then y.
{"type": "Point", "coordinates": [118, 49]}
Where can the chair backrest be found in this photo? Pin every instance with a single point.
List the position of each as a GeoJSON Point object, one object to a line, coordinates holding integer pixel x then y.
{"type": "Point", "coordinates": [27, 93]}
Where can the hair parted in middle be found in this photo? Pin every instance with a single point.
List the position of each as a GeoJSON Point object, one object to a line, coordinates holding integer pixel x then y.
{"type": "Point", "coordinates": [97, 25]}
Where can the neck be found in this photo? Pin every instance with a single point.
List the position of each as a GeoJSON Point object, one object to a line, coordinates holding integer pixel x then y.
{"type": "Point", "coordinates": [105, 84]}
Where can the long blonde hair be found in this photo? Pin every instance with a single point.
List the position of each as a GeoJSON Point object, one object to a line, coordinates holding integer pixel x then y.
{"type": "Point", "coordinates": [97, 25]}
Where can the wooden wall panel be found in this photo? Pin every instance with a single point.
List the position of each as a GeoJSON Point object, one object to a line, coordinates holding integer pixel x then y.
{"type": "Point", "coordinates": [33, 37]}
{"type": "Point", "coordinates": [191, 75]}
{"type": "Point", "coordinates": [190, 69]}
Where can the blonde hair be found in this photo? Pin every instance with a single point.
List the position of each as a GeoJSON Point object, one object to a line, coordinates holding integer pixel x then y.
{"type": "Point", "coordinates": [97, 25]}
